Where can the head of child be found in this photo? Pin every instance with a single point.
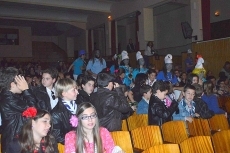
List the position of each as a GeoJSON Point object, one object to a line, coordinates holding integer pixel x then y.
{"type": "Point", "coordinates": [177, 73]}
{"type": "Point", "coordinates": [87, 84]}
{"type": "Point", "coordinates": [183, 76]}
{"type": "Point", "coordinates": [208, 87]}
{"type": "Point", "coordinates": [189, 93]}
{"type": "Point", "coordinates": [212, 79]}
{"type": "Point", "coordinates": [170, 86]}
{"type": "Point", "coordinates": [199, 90]}
{"type": "Point", "coordinates": [49, 77]}
{"type": "Point", "coordinates": [79, 80]}
{"type": "Point", "coordinates": [146, 91]}
{"type": "Point", "coordinates": [7, 81]}
{"type": "Point", "coordinates": [221, 83]}
{"type": "Point", "coordinates": [66, 89]}
{"type": "Point", "coordinates": [105, 80]}
{"type": "Point", "coordinates": [120, 73]}
{"type": "Point", "coordinates": [140, 79]}
{"type": "Point", "coordinates": [88, 125]}
{"type": "Point", "coordinates": [40, 121]}
{"type": "Point", "coordinates": [160, 89]}
{"type": "Point", "coordinates": [192, 78]}
{"type": "Point", "coordinates": [152, 74]}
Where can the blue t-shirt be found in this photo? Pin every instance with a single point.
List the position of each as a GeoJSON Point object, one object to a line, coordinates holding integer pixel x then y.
{"type": "Point", "coordinates": [78, 63]}
{"type": "Point", "coordinates": [169, 77]}
{"type": "Point", "coordinates": [139, 70]}
{"type": "Point", "coordinates": [188, 61]}
{"type": "Point", "coordinates": [97, 66]}
{"type": "Point", "coordinates": [212, 102]}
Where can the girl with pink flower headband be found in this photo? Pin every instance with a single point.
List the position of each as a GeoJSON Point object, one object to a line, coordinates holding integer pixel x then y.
{"type": "Point", "coordinates": [88, 137]}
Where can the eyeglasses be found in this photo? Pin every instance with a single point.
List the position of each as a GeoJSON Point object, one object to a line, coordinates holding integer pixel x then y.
{"type": "Point", "coordinates": [89, 117]}
{"type": "Point", "coordinates": [52, 95]}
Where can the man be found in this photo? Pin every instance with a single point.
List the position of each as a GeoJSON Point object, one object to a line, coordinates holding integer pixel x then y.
{"type": "Point", "coordinates": [79, 64]}
{"type": "Point", "coordinates": [130, 46]}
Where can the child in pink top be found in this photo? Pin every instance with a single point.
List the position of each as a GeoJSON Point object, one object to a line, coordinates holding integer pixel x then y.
{"type": "Point", "coordinates": [88, 136]}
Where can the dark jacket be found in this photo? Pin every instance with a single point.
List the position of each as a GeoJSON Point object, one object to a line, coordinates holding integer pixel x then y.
{"type": "Point", "coordinates": [42, 97]}
{"type": "Point", "coordinates": [61, 124]}
{"type": "Point", "coordinates": [158, 113]}
{"type": "Point", "coordinates": [82, 97]}
{"type": "Point", "coordinates": [201, 108]}
{"type": "Point", "coordinates": [14, 147]}
{"type": "Point", "coordinates": [11, 106]}
{"type": "Point", "coordinates": [111, 107]}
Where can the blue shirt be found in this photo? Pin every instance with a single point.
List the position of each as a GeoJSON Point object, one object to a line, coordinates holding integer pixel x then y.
{"type": "Point", "coordinates": [127, 80]}
{"type": "Point", "coordinates": [212, 103]}
{"type": "Point", "coordinates": [170, 77]}
{"type": "Point", "coordinates": [142, 107]}
{"type": "Point", "coordinates": [97, 66]}
{"type": "Point", "coordinates": [139, 70]}
{"type": "Point", "coordinates": [188, 61]}
{"type": "Point", "coordinates": [78, 63]}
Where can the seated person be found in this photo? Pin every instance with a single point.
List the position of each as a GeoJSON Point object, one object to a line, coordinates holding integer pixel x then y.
{"type": "Point", "coordinates": [110, 103]}
{"type": "Point", "coordinates": [201, 107]}
{"type": "Point", "coordinates": [36, 139]}
{"type": "Point", "coordinates": [143, 105]}
{"type": "Point", "coordinates": [186, 105]}
{"type": "Point", "coordinates": [158, 113]}
{"type": "Point", "coordinates": [222, 88]}
{"type": "Point", "coordinates": [87, 85]}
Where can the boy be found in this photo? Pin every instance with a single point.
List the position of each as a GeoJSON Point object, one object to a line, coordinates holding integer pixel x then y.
{"type": "Point", "coordinates": [158, 113]}
{"type": "Point", "coordinates": [143, 105]}
{"type": "Point", "coordinates": [15, 98]}
{"type": "Point", "coordinates": [87, 84]}
{"type": "Point", "coordinates": [45, 93]}
{"type": "Point", "coordinates": [201, 107]}
{"type": "Point", "coordinates": [111, 105]}
{"type": "Point", "coordinates": [66, 107]}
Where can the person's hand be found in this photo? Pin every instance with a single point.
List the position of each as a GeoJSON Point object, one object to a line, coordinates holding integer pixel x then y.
{"type": "Point", "coordinates": [190, 119]}
{"type": "Point", "coordinates": [21, 83]}
{"type": "Point", "coordinates": [226, 114]}
{"type": "Point", "coordinates": [116, 85]}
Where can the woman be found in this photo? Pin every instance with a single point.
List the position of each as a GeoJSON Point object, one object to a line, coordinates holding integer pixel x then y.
{"type": "Point", "coordinates": [88, 137]}
{"type": "Point", "coordinates": [36, 139]}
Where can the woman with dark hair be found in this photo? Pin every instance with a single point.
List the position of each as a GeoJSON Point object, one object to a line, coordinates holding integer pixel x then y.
{"type": "Point", "coordinates": [34, 136]}
{"type": "Point", "coordinates": [88, 136]}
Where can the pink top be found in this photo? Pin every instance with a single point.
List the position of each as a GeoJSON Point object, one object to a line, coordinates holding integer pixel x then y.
{"type": "Point", "coordinates": [107, 142]}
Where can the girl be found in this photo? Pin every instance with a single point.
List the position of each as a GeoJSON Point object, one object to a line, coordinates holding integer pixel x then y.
{"type": "Point", "coordinates": [88, 137]}
{"type": "Point", "coordinates": [36, 139]}
{"type": "Point", "coordinates": [158, 112]}
{"type": "Point", "coordinates": [186, 105]}
{"type": "Point", "coordinates": [120, 75]}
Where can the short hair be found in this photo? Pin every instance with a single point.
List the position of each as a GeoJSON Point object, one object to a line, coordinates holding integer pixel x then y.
{"type": "Point", "coordinates": [63, 85]}
{"type": "Point", "coordinates": [7, 77]}
{"type": "Point", "coordinates": [86, 79]}
{"type": "Point", "coordinates": [221, 80]}
{"type": "Point", "coordinates": [103, 79]}
{"type": "Point", "coordinates": [208, 87]}
{"type": "Point", "coordinates": [159, 85]}
{"type": "Point", "coordinates": [199, 90]}
{"type": "Point", "coordinates": [210, 77]}
{"type": "Point", "coordinates": [189, 86]}
{"type": "Point", "coordinates": [145, 89]}
{"type": "Point", "coordinates": [150, 71]}
{"type": "Point", "coordinates": [190, 78]}
{"type": "Point", "coordinates": [52, 71]}
{"type": "Point", "coordinates": [140, 79]}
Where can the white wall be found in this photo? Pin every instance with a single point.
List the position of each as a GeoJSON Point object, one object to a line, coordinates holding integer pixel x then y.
{"type": "Point", "coordinates": [24, 49]}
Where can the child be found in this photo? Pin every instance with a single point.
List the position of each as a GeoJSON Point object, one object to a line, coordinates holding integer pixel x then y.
{"type": "Point", "coordinates": [87, 84]}
{"type": "Point", "coordinates": [186, 105]}
{"type": "Point", "coordinates": [201, 107]}
{"type": "Point", "coordinates": [36, 139]}
{"type": "Point", "coordinates": [158, 113]}
{"type": "Point", "coordinates": [192, 78]}
{"type": "Point", "coordinates": [88, 136]}
{"type": "Point", "coordinates": [170, 96]}
{"type": "Point", "coordinates": [45, 93]}
{"type": "Point", "coordinates": [151, 77]}
{"type": "Point", "coordinates": [143, 105]}
{"type": "Point", "coordinates": [110, 103]}
{"type": "Point", "coordinates": [15, 98]}
{"type": "Point", "coordinates": [67, 92]}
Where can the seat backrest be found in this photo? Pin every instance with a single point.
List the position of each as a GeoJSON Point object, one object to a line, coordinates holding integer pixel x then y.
{"type": "Point", "coordinates": [199, 127]}
{"type": "Point", "coordinates": [221, 101]}
{"type": "Point", "coordinates": [197, 144]}
{"type": "Point", "coordinates": [227, 106]}
{"type": "Point", "coordinates": [163, 148]}
{"type": "Point", "coordinates": [124, 125]}
{"type": "Point", "coordinates": [122, 139]}
{"type": "Point", "coordinates": [218, 122]}
{"type": "Point", "coordinates": [137, 120]}
{"type": "Point", "coordinates": [221, 141]}
{"type": "Point", "coordinates": [174, 131]}
{"type": "Point", "coordinates": [146, 137]}
{"type": "Point", "coordinates": [61, 148]}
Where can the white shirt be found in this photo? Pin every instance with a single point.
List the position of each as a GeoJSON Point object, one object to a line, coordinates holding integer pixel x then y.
{"type": "Point", "coordinates": [54, 102]}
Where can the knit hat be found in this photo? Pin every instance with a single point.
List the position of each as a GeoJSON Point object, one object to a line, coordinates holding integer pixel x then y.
{"type": "Point", "coordinates": [138, 55]}
{"type": "Point", "coordinates": [168, 58]}
{"type": "Point", "coordinates": [189, 51]}
{"type": "Point", "coordinates": [124, 55]}
{"type": "Point", "coordinates": [81, 52]}
{"type": "Point", "coordinates": [103, 79]}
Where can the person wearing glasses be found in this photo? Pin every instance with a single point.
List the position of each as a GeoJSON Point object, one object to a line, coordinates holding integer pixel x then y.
{"type": "Point", "coordinates": [45, 93]}
{"type": "Point", "coordinates": [110, 103]}
{"type": "Point", "coordinates": [66, 90]}
{"type": "Point", "coordinates": [87, 135]}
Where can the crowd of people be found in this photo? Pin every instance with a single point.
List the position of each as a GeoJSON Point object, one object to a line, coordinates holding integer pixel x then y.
{"type": "Point", "coordinates": [80, 110]}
